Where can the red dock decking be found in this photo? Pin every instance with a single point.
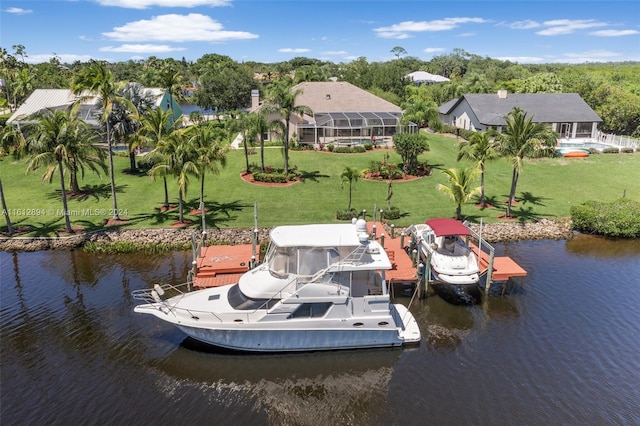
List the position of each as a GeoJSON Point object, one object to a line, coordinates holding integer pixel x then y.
{"type": "Point", "coordinates": [221, 265]}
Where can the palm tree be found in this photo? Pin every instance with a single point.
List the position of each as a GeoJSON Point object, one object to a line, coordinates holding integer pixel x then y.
{"type": "Point", "coordinates": [522, 138]}
{"type": "Point", "coordinates": [210, 144]}
{"type": "Point", "coordinates": [181, 162]}
{"type": "Point", "coordinates": [50, 143]}
{"type": "Point", "coordinates": [172, 81]}
{"type": "Point", "coordinates": [11, 139]}
{"type": "Point", "coordinates": [157, 130]}
{"type": "Point", "coordinates": [419, 107]}
{"type": "Point", "coordinates": [351, 175]}
{"type": "Point", "coordinates": [97, 78]}
{"type": "Point", "coordinates": [480, 148]}
{"type": "Point", "coordinates": [282, 100]}
{"type": "Point", "coordinates": [257, 124]}
{"type": "Point", "coordinates": [460, 187]}
{"type": "Point", "coordinates": [126, 123]}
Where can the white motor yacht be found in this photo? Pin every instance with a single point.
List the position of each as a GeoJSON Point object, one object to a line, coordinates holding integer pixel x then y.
{"type": "Point", "coordinates": [320, 287]}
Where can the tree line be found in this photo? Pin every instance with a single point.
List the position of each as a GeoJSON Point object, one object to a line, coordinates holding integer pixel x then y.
{"type": "Point", "coordinates": [217, 82]}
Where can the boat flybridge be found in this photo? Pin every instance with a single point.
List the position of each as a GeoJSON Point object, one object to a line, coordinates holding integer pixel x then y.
{"type": "Point", "coordinates": [320, 287]}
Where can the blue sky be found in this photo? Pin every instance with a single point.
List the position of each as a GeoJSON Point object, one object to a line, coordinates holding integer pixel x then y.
{"type": "Point", "coordinates": [338, 30]}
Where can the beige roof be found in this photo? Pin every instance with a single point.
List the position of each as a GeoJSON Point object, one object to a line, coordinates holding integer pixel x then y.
{"type": "Point", "coordinates": [329, 96]}
{"type": "Point", "coordinates": [42, 99]}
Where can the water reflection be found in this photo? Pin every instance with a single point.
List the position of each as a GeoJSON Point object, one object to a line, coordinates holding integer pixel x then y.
{"type": "Point", "coordinates": [601, 247]}
{"type": "Point", "coordinates": [297, 389]}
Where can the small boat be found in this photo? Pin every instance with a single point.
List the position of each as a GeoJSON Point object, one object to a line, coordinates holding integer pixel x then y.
{"type": "Point", "coordinates": [320, 287]}
{"type": "Point", "coordinates": [441, 243]}
{"type": "Point", "coordinates": [575, 154]}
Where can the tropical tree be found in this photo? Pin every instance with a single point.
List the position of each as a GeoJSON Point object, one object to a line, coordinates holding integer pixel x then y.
{"type": "Point", "coordinates": [409, 146]}
{"type": "Point", "coordinates": [171, 80]}
{"type": "Point", "coordinates": [126, 123]}
{"type": "Point", "coordinates": [181, 161]}
{"type": "Point", "coordinates": [398, 50]}
{"type": "Point", "coordinates": [257, 124]}
{"type": "Point", "coordinates": [51, 145]}
{"type": "Point", "coordinates": [460, 188]}
{"type": "Point", "coordinates": [349, 175]}
{"type": "Point", "coordinates": [480, 148]}
{"type": "Point", "coordinates": [419, 108]}
{"type": "Point", "coordinates": [209, 142]}
{"type": "Point", "coordinates": [282, 99]}
{"type": "Point", "coordinates": [158, 128]}
{"type": "Point", "coordinates": [522, 138]}
{"type": "Point", "coordinates": [98, 79]}
{"type": "Point", "coordinates": [11, 139]}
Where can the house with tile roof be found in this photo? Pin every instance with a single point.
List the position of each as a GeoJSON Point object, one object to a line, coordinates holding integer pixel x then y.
{"type": "Point", "coordinates": [566, 113]}
{"type": "Point", "coordinates": [342, 112]}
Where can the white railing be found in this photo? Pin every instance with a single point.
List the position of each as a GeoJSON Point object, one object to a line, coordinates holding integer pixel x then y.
{"type": "Point", "coordinates": [617, 140]}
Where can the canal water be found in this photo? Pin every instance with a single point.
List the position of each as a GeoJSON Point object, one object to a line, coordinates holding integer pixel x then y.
{"type": "Point", "coordinates": [561, 347]}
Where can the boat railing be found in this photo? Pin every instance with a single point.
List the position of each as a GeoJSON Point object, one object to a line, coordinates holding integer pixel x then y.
{"type": "Point", "coordinates": [155, 294]}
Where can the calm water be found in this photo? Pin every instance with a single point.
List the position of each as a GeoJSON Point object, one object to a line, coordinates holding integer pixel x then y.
{"type": "Point", "coordinates": [562, 347]}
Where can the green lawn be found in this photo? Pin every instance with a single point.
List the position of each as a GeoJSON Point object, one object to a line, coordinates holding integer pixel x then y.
{"type": "Point", "coordinates": [547, 188]}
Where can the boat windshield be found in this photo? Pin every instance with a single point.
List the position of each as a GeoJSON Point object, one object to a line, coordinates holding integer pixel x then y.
{"type": "Point", "coordinates": [302, 261]}
{"type": "Point", "coordinates": [239, 301]}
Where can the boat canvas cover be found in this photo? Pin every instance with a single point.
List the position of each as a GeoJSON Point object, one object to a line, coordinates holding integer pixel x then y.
{"type": "Point", "coordinates": [444, 227]}
{"type": "Point", "coordinates": [318, 235]}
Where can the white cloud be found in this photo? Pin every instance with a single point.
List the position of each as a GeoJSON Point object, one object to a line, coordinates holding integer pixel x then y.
{"type": "Point", "coordinates": [145, 4]}
{"type": "Point", "coordinates": [567, 26]}
{"type": "Point", "coordinates": [177, 28]}
{"type": "Point", "coordinates": [141, 48]}
{"type": "Point", "coordinates": [335, 53]}
{"type": "Point", "coordinates": [64, 58]}
{"type": "Point", "coordinates": [521, 59]}
{"type": "Point", "coordinates": [403, 29]}
{"type": "Point", "coordinates": [614, 33]}
{"type": "Point", "coordinates": [434, 49]}
{"type": "Point", "coordinates": [293, 50]}
{"type": "Point", "coordinates": [524, 25]}
{"type": "Point", "coordinates": [18, 11]}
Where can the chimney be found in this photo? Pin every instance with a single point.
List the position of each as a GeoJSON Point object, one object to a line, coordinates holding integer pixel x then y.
{"type": "Point", "coordinates": [502, 94]}
{"type": "Point", "coordinates": [255, 99]}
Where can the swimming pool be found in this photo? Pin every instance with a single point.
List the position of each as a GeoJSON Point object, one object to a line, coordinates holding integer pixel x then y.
{"type": "Point", "coordinates": [583, 145]}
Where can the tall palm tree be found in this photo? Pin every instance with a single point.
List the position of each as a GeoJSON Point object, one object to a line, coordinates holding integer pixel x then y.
{"type": "Point", "coordinates": [157, 130]}
{"type": "Point", "coordinates": [172, 81]}
{"type": "Point", "coordinates": [98, 79]}
{"type": "Point", "coordinates": [460, 188]}
{"type": "Point", "coordinates": [282, 100]}
{"type": "Point", "coordinates": [181, 162]}
{"type": "Point", "coordinates": [480, 148]}
{"type": "Point", "coordinates": [210, 144]}
{"type": "Point", "coordinates": [125, 123]}
{"type": "Point", "coordinates": [350, 175]}
{"type": "Point", "coordinates": [258, 125]}
{"type": "Point", "coordinates": [522, 138]}
{"type": "Point", "coordinates": [50, 144]}
{"type": "Point", "coordinates": [11, 139]}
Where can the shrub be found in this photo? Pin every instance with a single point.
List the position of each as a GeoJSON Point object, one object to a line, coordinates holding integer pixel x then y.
{"type": "Point", "coordinates": [391, 214]}
{"type": "Point", "coordinates": [346, 214]}
{"type": "Point", "coordinates": [627, 150]}
{"type": "Point", "coordinates": [611, 150]}
{"type": "Point", "coordinates": [368, 146]}
{"type": "Point", "coordinates": [620, 218]}
{"type": "Point", "coordinates": [331, 147]}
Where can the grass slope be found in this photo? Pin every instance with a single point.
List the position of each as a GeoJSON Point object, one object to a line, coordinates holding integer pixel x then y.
{"type": "Point", "coordinates": [546, 188]}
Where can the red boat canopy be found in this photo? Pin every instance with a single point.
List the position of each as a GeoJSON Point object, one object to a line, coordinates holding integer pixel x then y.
{"type": "Point", "coordinates": [445, 226]}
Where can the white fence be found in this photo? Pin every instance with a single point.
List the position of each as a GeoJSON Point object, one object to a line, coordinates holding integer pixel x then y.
{"type": "Point", "coordinates": [620, 141]}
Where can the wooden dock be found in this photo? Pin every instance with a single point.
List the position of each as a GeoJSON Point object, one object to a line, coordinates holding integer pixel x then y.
{"type": "Point", "coordinates": [220, 265]}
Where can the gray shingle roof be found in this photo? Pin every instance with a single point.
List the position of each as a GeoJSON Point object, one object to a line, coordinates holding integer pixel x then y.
{"type": "Point", "coordinates": [543, 107]}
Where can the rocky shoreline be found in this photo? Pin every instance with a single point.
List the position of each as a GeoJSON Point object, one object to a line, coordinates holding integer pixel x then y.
{"type": "Point", "coordinates": [558, 229]}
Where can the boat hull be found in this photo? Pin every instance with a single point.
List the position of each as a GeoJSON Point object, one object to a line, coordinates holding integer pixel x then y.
{"type": "Point", "coordinates": [458, 294]}
{"type": "Point", "coordinates": [293, 340]}
{"type": "Point", "coordinates": [396, 327]}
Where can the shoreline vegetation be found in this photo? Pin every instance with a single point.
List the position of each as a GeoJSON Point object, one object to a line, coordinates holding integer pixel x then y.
{"type": "Point", "coordinates": [159, 240]}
